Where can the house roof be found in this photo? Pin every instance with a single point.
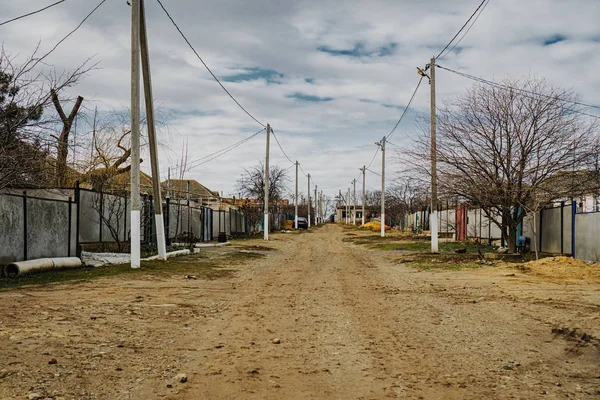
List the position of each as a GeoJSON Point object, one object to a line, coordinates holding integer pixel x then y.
{"type": "Point", "coordinates": [179, 188]}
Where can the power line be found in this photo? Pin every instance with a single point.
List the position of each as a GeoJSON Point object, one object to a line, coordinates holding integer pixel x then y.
{"type": "Point", "coordinates": [206, 66]}
{"type": "Point", "coordinates": [281, 148]}
{"type": "Point", "coordinates": [461, 29]}
{"type": "Point", "coordinates": [389, 135]}
{"type": "Point", "coordinates": [69, 34]}
{"type": "Point", "coordinates": [203, 160]}
{"type": "Point", "coordinates": [467, 31]}
{"type": "Point", "coordinates": [527, 92]}
{"type": "Point", "coordinates": [375, 155]}
{"type": "Point", "coordinates": [32, 13]}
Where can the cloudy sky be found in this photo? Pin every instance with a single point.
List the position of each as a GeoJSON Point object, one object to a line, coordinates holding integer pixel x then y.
{"type": "Point", "coordinates": [330, 76]}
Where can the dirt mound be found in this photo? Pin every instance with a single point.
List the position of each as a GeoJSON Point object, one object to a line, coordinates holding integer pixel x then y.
{"type": "Point", "coordinates": [375, 226]}
{"type": "Point", "coordinates": [562, 268]}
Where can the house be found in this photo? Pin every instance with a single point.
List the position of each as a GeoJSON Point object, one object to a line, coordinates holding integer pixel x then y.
{"type": "Point", "coordinates": [370, 211]}
{"type": "Point", "coordinates": [184, 189]}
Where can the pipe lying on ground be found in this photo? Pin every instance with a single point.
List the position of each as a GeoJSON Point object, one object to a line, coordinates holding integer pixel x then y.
{"type": "Point", "coordinates": [19, 268]}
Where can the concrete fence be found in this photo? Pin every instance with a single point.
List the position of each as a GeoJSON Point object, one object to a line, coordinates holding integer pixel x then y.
{"type": "Point", "coordinates": [559, 230]}
{"type": "Point", "coordinates": [56, 222]}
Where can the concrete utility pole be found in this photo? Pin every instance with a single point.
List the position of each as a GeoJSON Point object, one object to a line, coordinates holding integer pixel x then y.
{"type": "Point", "coordinates": [382, 145]}
{"type": "Point", "coordinates": [354, 213]}
{"type": "Point", "coordinates": [149, 101]}
{"type": "Point", "coordinates": [316, 207]}
{"type": "Point", "coordinates": [363, 169]}
{"type": "Point", "coordinates": [266, 221]}
{"type": "Point", "coordinates": [321, 207]}
{"type": "Point", "coordinates": [433, 220]}
{"type": "Point", "coordinates": [308, 200]}
{"type": "Point", "coordinates": [348, 207]}
{"type": "Point", "coordinates": [135, 134]}
{"type": "Point", "coordinates": [296, 202]}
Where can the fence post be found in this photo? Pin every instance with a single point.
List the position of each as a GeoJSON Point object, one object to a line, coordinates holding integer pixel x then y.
{"type": "Point", "coordinates": [168, 221]}
{"type": "Point", "coordinates": [77, 218]}
{"type": "Point", "coordinates": [541, 225]}
{"type": "Point", "coordinates": [125, 220]}
{"type": "Point", "coordinates": [562, 225]}
{"type": "Point", "coordinates": [24, 225]}
{"type": "Point", "coordinates": [573, 213]}
{"type": "Point", "coordinates": [69, 230]}
{"type": "Point", "coordinates": [151, 227]}
{"type": "Point", "coordinates": [101, 213]}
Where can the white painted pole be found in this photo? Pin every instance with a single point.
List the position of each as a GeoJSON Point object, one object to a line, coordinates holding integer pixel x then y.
{"type": "Point", "coordinates": [135, 134]}
{"type": "Point", "coordinates": [316, 208]}
{"type": "Point", "coordinates": [354, 211]}
{"type": "Point", "coordinates": [266, 211]}
{"type": "Point", "coordinates": [152, 142]}
{"type": "Point", "coordinates": [296, 199]}
{"type": "Point", "coordinates": [308, 200]}
{"type": "Point", "coordinates": [433, 221]}
{"type": "Point", "coordinates": [383, 187]}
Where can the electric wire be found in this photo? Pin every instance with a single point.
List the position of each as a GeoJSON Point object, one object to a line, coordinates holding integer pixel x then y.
{"type": "Point", "coordinates": [461, 29]}
{"type": "Point", "coordinates": [281, 148]}
{"type": "Point", "coordinates": [389, 135]}
{"type": "Point", "coordinates": [69, 34]}
{"type": "Point", "coordinates": [525, 91]}
{"type": "Point", "coordinates": [206, 66]}
{"type": "Point", "coordinates": [31, 13]}
{"type": "Point", "coordinates": [467, 31]}
{"type": "Point", "coordinates": [209, 157]}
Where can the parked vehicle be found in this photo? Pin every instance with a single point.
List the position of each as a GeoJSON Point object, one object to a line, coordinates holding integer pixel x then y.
{"type": "Point", "coordinates": [302, 223]}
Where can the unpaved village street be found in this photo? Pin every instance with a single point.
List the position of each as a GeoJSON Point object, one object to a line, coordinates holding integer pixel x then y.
{"type": "Point", "coordinates": [316, 317]}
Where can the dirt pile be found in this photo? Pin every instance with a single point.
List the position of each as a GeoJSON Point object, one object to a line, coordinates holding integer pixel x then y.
{"type": "Point", "coordinates": [374, 226]}
{"type": "Point", "coordinates": [562, 268]}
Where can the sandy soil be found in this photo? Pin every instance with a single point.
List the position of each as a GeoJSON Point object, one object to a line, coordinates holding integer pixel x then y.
{"type": "Point", "coordinates": [318, 318]}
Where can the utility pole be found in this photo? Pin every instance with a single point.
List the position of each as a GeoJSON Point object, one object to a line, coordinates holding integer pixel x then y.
{"type": "Point", "coordinates": [382, 145]}
{"type": "Point", "coordinates": [354, 213]}
{"type": "Point", "coordinates": [135, 134]}
{"type": "Point", "coordinates": [296, 202]}
{"type": "Point", "coordinates": [363, 169]}
{"type": "Point", "coordinates": [321, 207]}
{"type": "Point", "coordinates": [149, 101]}
{"type": "Point", "coordinates": [316, 207]}
{"type": "Point", "coordinates": [433, 221]}
{"type": "Point", "coordinates": [266, 220]}
{"type": "Point", "coordinates": [348, 207]}
{"type": "Point", "coordinates": [308, 200]}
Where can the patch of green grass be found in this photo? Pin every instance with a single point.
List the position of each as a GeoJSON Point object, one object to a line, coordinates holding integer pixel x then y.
{"type": "Point", "coordinates": [448, 247]}
{"type": "Point", "coordinates": [448, 267]}
{"type": "Point", "coordinates": [199, 265]}
{"type": "Point", "coordinates": [243, 256]}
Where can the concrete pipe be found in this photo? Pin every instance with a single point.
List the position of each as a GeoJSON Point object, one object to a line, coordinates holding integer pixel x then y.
{"type": "Point", "coordinates": [19, 268]}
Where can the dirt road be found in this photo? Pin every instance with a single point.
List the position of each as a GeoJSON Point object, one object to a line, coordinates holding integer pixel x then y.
{"type": "Point", "coordinates": [317, 318]}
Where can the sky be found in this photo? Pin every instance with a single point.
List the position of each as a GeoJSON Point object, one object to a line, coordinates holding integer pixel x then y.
{"type": "Point", "coordinates": [331, 77]}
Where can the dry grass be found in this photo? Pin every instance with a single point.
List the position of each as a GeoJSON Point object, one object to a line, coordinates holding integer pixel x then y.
{"type": "Point", "coordinates": [564, 268]}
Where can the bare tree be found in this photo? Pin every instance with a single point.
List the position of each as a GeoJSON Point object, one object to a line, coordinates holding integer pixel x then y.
{"type": "Point", "coordinates": [497, 147]}
{"type": "Point", "coordinates": [252, 183]}
{"type": "Point", "coordinates": [25, 147]}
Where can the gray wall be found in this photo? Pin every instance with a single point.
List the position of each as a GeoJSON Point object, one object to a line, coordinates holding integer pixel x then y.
{"type": "Point", "coordinates": [11, 232]}
{"type": "Point", "coordinates": [587, 236]}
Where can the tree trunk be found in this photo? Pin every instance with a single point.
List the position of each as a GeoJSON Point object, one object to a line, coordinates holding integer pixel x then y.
{"type": "Point", "coordinates": [63, 139]}
{"type": "Point", "coordinates": [512, 239]}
